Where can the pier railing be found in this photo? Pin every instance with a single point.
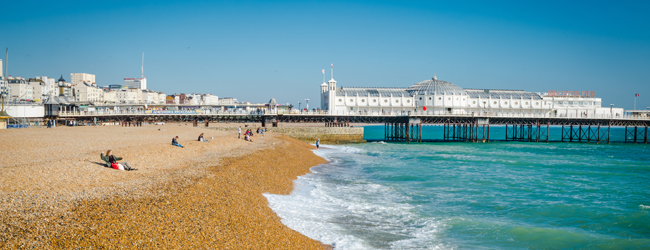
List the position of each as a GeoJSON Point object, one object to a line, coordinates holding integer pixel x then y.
{"type": "Point", "coordinates": [199, 112]}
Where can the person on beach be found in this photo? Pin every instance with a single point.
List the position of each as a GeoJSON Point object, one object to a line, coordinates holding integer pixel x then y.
{"type": "Point", "coordinates": [201, 138]}
{"type": "Point", "coordinates": [239, 132]}
{"type": "Point", "coordinates": [111, 161]}
{"type": "Point", "coordinates": [317, 143]}
{"type": "Point", "coordinates": [175, 142]}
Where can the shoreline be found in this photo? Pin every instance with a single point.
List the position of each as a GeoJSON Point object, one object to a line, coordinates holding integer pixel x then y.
{"type": "Point", "coordinates": [214, 199]}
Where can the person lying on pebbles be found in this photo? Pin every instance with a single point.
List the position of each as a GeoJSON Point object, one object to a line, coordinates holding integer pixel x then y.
{"type": "Point", "coordinates": [111, 161]}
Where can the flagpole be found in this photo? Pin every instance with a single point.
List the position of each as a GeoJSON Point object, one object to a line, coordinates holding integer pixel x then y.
{"type": "Point", "coordinates": [635, 101]}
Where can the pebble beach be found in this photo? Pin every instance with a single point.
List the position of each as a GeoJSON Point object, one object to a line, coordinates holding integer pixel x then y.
{"type": "Point", "coordinates": [55, 191]}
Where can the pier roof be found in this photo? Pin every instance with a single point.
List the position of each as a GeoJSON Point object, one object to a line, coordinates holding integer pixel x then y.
{"type": "Point", "coordinates": [502, 94]}
{"type": "Point", "coordinates": [436, 87]}
{"type": "Point", "coordinates": [373, 92]}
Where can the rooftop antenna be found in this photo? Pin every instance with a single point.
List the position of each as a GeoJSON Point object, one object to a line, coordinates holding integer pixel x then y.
{"type": "Point", "coordinates": [142, 67]}
{"type": "Point", "coordinates": [332, 71]}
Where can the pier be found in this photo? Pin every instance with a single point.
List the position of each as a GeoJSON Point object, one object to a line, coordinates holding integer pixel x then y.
{"type": "Point", "coordinates": [406, 128]}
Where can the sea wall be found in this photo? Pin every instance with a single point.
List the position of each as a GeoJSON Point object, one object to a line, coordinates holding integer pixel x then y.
{"type": "Point", "coordinates": [327, 135]}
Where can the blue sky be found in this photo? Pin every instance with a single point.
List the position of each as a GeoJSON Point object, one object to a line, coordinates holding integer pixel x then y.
{"type": "Point", "coordinates": [255, 50]}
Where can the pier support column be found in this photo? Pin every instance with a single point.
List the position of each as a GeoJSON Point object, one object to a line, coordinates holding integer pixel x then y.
{"type": "Point", "coordinates": [645, 136]}
{"type": "Point", "coordinates": [548, 125]}
{"type": "Point", "coordinates": [609, 130]}
{"type": "Point", "coordinates": [635, 133]}
{"type": "Point", "coordinates": [488, 132]}
{"type": "Point", "coordinates": [598, 140]}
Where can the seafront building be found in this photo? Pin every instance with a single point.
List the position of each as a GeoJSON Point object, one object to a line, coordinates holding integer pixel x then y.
{"type": "Point", "coordinates": [20, 89]}
{"type": "Point", "coordinates": [138, 83]}
{"type": "Point", "coordinates": [438, 97]}
{"type": "Point", "coordinates": [81, 78]}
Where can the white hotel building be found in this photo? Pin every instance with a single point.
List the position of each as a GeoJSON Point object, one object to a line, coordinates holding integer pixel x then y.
{"type": "Point", "coordinates": [438, 97]}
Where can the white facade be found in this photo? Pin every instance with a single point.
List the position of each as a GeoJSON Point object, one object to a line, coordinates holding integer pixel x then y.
{"type": "Point", "coordinates": [81, 78]}
{"type": "Point", "coordinates": [109, 96]}
{"type": "Point", "coordinates": [20, 89]}
{"type": "Point", "coordinates": [162, 98]}
{"type": "Point", "coordinates": [128, 96]}
{"type": "Point", "coordinates": [150, 97]}
{"type": "Point", "coordinates": [227, 101]}
{"type": "Point", "coordinates": [210, 99]}
{"type": "Point", "coordinates": [38, 89]}
{"type": "Point", "coordinates": [437, 97]}
{"type": "Point", "coordinates": [138, 83]}
{"type": "Point", "coordinates": [85, 92]}
{"type": "Point", "coordinates": [50, 88]}
{"type": "Point", "coordinates": [195, 99]}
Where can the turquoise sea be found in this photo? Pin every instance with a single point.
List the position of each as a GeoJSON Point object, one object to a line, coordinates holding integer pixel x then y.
{"type": "Point", "coordinates": [460, 195]}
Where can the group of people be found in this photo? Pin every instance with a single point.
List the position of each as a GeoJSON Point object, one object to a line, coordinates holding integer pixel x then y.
{"type": "Point", "coordinates": [112, 161]}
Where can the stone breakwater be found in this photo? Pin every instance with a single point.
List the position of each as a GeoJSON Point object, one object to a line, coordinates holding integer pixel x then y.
{"type": "Point", "coordinates": [55, 193]}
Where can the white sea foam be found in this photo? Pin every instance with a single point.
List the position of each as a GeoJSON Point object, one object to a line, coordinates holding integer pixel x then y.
{"type": "Point", "coordinates": [644, 206]}
{"type": "Point", "coordinates": [336, 205]}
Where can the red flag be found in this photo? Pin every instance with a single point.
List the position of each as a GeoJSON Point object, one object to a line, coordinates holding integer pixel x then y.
{"type": "Point", "coordinates": [637, 95]}
{"type": "Point", "coordinates": [323, 71]}
{"type": "Point", "coordinates": [332, 65]}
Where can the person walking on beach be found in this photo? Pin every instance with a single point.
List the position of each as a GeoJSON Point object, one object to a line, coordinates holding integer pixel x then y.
{"type": "Point", "coordinates": [175, 142]}
{"type": "Point", "coordinates": [317, 143]}
{"type": "Point", "coordinates": [239, 131]}
{"type": "Point", "coordinates": [111, 161]}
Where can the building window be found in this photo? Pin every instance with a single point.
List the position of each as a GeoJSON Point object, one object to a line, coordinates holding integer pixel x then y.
{"type": "Point", "coordinates": [429, 98]}
{"type": "Point", "coordinates": [449, 99]}
{"type": "Point", "coordinates": [506, 103]}
{"type": "Point", "coordinates": [537, 103]}
{"type": "Point", "coordinates": [474, 102]}
{"type": "Point", "coordinates": [516, 103]}
{"type": "Point", "coordinates": [439, 98]}
{"type": "Point", "coordinates": [340, 100]}
{"type": "Point", "coordinates": [385, 100]}
{"type": "Point", "coordinates": [408, 101]}
{"type": "Point", "coordinates": [495, 102]}
{"type": "Point", "coordinates": [420, 98]}
{"type": "Point", "coordinates": [351, 100]}
{"type": "Point", "coordinates": [396, 101]}
{"type": "Point", "coordinates": [374, 100]}
{"type": "Point", "coordinates": [363, 100]}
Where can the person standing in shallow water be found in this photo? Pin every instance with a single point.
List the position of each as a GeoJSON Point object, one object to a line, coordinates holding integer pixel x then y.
{"type": "Point", "coordinates": [317, 143]}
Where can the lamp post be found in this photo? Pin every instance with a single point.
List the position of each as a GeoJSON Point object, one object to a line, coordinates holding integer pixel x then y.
{"type": "Point", "coordinates": [299, 107]}
{"type": "Point", "coordinates": [307, 104]}
{"type": "Point", "coordinates": [611, 112]}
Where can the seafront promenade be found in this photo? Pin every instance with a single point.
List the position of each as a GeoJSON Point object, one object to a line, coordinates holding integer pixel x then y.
{"type": "Point", "coordinates": [56, 193]}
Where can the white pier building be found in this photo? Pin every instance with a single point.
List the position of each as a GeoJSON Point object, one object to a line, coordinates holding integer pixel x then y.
{"type": "Point", "coordinates": [438, 97]}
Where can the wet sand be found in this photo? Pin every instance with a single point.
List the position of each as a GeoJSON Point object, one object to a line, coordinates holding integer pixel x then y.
{"type": "Point", "coordinates": [54, 192]}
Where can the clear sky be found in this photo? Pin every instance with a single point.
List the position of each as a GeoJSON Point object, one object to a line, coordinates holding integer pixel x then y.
{"type": "Point", "coordinates": [255, 50]}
